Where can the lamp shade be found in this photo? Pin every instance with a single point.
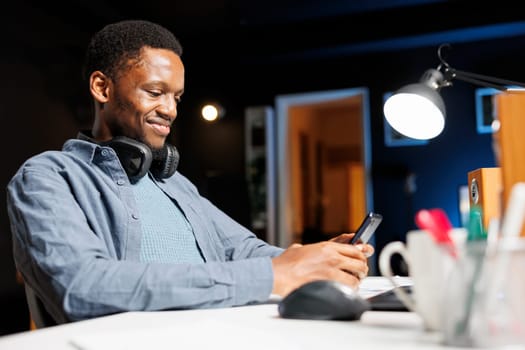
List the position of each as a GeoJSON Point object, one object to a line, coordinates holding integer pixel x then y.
{"type": "Point", "coordinates": [417, 110]}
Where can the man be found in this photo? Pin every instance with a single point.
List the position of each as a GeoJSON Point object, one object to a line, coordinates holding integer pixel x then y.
{"type": "Point", "coordinates": [107, 224]}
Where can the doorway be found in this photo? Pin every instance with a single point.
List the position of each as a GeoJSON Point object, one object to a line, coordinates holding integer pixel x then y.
{"type": "Point", "coordinates": [323, 153]}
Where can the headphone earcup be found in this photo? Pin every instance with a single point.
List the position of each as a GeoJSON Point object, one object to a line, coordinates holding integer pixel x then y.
{"type": "Point", "coordinates": [135, 157]}
{"type": "Point", "coordinates": [167, 164]}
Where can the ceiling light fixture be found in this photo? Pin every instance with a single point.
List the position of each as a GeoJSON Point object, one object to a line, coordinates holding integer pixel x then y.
{"type": "Point", "coordinates": [212, 112]}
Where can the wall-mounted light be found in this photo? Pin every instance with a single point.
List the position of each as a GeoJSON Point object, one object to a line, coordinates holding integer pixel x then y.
{"type": "Point", "coordinates": [212, 112]}
{"type": "Point", "coordinates": [418, 111]}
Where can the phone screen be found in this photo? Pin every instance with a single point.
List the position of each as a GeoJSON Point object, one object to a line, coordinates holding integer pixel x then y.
{"type": "Point", "coordinates": [367, 228]}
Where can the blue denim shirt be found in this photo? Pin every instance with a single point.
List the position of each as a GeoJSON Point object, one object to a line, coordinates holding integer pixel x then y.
{"type": "Point", "coordinates": [77, 232]}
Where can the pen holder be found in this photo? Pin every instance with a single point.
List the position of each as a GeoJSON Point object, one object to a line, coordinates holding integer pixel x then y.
{"type": "Point", "coordinates": [498, 318]}
{"type": "Point", "coordinates": [461, 293]}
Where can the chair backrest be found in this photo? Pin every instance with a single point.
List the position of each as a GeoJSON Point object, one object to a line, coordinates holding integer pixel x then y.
{"type": "Point", "coordinates": [39, 315]}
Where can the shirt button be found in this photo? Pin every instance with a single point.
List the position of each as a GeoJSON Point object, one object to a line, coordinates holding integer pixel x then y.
{"type": "Point", "coordinates": [120, 182]}
{"type": "Point", "coordinates": [135, 216]}
{"type": "Point", "coordinates": [105, 152]}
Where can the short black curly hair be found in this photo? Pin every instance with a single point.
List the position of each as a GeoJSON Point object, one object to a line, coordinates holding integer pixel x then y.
{"type": "Point", "coordinates": [111, 48]}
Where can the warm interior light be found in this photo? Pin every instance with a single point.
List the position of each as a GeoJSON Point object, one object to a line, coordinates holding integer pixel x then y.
{"type": "Point", "coordinates": [211, 112]}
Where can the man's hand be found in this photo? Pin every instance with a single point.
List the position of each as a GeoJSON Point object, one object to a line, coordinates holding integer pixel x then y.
{"type": "Point", "coordinates": [331, 260]}
{"type": "Point", "coordinates": [367, 249]}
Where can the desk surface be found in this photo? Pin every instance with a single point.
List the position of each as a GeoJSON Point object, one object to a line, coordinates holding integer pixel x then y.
{"type": "Point", "coordinates": [247, 327]}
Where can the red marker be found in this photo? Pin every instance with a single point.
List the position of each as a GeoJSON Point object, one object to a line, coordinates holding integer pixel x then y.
{"type": "Point", "coordinates": [436, 222]}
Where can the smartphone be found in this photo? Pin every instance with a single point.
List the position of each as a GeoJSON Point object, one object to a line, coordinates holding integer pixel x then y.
{"type": "Point", "coordinates": [367, 228]}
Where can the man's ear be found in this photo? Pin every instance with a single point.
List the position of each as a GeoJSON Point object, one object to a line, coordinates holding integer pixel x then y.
{"type": "Point", "coordinates": [99, 86]}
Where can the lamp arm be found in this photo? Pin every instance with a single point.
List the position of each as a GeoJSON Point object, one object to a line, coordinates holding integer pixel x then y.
{"type": "Point", "coordinates": [484, 80]}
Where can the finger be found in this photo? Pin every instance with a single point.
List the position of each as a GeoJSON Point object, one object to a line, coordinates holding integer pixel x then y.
{"type": "Point", "coordinates": [366, 249]}
{"type": "Point", "coordinates": [351, 251]}
{"type": "Point", "coordinates": [355, 267]}
{"type": "Point", "coordinates": [351, 259]}
{"type": "Point", "coordinates": [348, 278]}
{"type": "Point", "coordinates": [343, 238]}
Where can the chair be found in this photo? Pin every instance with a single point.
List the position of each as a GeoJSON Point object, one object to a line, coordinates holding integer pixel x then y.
{"type": "Point", "coordinates": [40, 318]}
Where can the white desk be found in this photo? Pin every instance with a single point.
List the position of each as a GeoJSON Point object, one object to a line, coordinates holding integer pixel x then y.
{"type": "Point", "coordinates": [247, 327]}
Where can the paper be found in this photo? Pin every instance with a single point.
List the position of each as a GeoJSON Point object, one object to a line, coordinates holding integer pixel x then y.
{"type": "Point", "coordinates": [374, 285]}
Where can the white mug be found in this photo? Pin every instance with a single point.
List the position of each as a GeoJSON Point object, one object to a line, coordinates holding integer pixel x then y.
{"type": "Point", "coordinates": [429, 266]}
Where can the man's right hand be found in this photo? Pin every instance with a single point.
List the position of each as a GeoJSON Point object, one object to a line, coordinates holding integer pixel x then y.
{"type": "Point", "coordinates": [330, 260]}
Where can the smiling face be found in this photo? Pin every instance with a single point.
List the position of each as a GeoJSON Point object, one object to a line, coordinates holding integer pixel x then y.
{"type": "Point", "coordinates": [141, 102]}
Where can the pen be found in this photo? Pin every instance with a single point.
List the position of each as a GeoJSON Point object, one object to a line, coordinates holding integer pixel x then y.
{"type": "Point", "coordinates": [475, 230]}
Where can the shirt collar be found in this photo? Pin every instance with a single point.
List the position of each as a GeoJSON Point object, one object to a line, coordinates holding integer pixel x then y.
{"type": "Point", "coordinates": [83, 149]}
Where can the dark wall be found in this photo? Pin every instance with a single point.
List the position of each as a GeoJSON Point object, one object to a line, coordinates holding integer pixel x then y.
{"type": "Point", "coordinates": [441, 166]}
{"type": "Point", "coordinates": [43, 102]}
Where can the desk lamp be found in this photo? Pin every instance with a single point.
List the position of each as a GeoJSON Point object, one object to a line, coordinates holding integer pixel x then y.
{"type": "Point", "coordinates": [418, 111]}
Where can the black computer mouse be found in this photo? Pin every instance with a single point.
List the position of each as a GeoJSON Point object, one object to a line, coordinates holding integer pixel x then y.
{"type": "Point", "coordinates": [323, 300]}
